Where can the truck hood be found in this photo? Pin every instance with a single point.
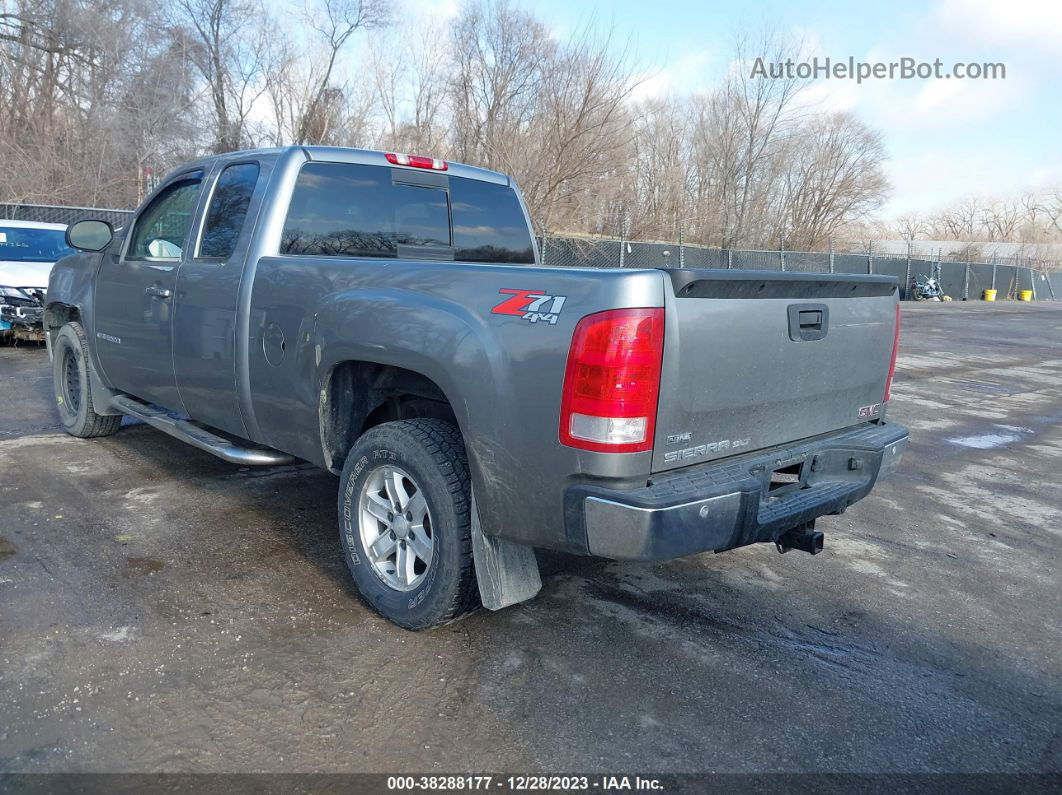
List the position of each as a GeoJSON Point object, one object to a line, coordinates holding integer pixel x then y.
{"type": "Point", "coordinates": [25, 274]}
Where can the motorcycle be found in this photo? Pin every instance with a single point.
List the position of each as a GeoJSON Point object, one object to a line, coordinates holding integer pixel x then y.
{"type": "Point", "coordinates": [927, 289]}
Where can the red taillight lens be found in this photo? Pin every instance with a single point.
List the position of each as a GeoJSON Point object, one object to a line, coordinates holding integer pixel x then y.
{"type": "Point", "coordinates": [416, 161]}
{"type": "Point", "coordinates": [895, 350]}
{"type": "Point", "coordinates": [612, 381]}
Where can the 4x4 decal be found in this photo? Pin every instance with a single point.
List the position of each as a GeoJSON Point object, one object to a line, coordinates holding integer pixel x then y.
{"type": "Point", "coordinates": [531, 305]}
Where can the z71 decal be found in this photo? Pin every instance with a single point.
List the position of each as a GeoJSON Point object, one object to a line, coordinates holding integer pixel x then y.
{"type": "Point", "coordinates": [534, 306]}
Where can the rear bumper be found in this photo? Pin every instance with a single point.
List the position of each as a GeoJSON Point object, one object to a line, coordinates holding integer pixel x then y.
{"type": "Point", "coordinates": [730, 503]}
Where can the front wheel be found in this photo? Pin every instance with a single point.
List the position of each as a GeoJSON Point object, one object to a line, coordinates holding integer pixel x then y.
{"type": "Point", "coordinates": [72, 378]}
{"type": "Point", "coordinates": [405, 522]}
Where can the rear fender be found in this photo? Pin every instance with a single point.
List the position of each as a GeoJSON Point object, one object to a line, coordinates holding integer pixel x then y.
{"type": "Point", "coordinates": [439, 339]}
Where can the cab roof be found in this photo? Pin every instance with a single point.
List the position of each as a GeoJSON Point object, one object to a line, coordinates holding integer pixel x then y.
{"type": "Point", "coordinates": [343, 154]}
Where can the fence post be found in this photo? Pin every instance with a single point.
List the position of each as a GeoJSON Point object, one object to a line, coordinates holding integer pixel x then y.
{"type": "Point", "coordinates": [993, 273]}
{"type": "Point", "coordinates": [729, 258]}
{"type": "Point", "coordinates": [682, 250]}
{"type": "Point", "coordinates": [907, 281]}
{"type": "Point", "coordinates": [966, 276]}
{"type": "Point", "coordinates": [870, 257]}
{"type": "Point", "coordinates": [542, 253]}
{"type": "Point", "coordinates": [831, 255]}
{"type": "Point", "coordinates": [781, 253]}
{"type": "Point", "coordinates": [623, 248]}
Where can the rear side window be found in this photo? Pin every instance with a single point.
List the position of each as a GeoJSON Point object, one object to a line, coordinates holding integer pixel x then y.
{"type": "Point", "coordinates": [348, 210]}
{"type": "Point", "coordinates": [489, 223]}
{"type": "Point", "coordinates": [228, 210]}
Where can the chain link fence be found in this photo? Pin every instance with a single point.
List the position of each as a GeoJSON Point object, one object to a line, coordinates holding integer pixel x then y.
{"type": "Point", "coordinates": [960, 280]}
{"type": "Point", "coordinates": [47, 214]}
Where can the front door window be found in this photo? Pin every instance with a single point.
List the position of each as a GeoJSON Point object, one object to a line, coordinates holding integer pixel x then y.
{"type": "Point", "coordinates": [162, 228]}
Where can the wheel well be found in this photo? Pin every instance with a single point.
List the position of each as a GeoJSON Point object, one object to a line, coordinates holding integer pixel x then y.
{"type": "Point", "coordinates": [360, 395]}
{"type": "Point", "coordinates": [58, 315]}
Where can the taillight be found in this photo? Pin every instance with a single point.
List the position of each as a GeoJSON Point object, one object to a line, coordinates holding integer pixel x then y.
{"type": "Point", "coordinates": [895, 350]}
{"type": "Point", "coordinates": [612, 381]}
{"type": "Point", "coordinates": [416, 161]}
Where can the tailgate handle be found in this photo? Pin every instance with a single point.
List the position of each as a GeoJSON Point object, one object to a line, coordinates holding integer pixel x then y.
{"type": "Point", "coordinates": [808, 322]}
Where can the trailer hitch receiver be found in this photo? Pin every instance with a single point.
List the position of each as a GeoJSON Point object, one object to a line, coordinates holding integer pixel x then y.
{"type": "Point", "coordinates": [802, 537]}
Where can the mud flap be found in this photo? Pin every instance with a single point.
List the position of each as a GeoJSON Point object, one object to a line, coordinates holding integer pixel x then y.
{"type": "Point", "coordinates": [507, 572]}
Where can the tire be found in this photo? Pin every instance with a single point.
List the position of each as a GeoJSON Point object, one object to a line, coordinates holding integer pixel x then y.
{"type": "Point", "coordinates": [72, 376]}
{"type": "Point", "coordinates": [427, 458]}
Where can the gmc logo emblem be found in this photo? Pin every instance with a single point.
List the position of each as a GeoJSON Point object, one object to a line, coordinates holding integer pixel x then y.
{"type": "Point", "coordinates": [869, 412]}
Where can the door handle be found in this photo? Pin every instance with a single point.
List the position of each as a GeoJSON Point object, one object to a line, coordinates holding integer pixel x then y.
{"type": "Point", "coordinates": [808, 322]}
{"type": "Point", "coordinates": [158, 292]}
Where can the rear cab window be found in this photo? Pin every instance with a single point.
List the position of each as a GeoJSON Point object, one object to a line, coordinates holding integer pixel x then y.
{"type": "Point", "coordinates": [489, 223]}
{"type": "Point", "coordinates": [353, 210]}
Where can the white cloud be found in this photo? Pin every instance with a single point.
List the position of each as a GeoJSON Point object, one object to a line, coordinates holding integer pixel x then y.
{"type": "Point", "coordinates": [431, 11]}
{"type": "Point", "coordinates": [927, 180]}
{"type": "Point", "coordinates": [686, 74]}
{"type": "Point", "coordinates": [1036, 23]}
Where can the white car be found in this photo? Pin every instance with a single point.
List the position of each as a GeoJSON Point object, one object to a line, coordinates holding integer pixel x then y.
{"type": "Point", "coordinates": [28, 250]}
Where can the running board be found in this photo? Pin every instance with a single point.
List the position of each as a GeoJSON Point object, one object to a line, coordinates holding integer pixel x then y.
{"type": "Point", "coordinates": [198, 437]}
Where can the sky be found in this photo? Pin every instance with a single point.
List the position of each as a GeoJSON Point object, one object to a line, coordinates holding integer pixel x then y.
{"type": "Point", "coordinates": [946, 138]}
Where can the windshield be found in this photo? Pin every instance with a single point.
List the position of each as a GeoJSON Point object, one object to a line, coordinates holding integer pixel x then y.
{"type": "Point", "coordinates": [32, 245]}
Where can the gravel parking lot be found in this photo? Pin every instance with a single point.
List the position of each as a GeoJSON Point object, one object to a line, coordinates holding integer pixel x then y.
{"type": "Point", "coordinates": [163, 610]}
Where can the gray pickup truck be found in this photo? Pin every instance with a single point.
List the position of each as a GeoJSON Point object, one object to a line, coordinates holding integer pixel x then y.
{"type": "Point", "coordinates": [384, 316]}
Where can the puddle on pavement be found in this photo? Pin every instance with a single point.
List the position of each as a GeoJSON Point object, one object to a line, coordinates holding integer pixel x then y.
{"type": "Point", "coordinates": [138, 566]}
{"type": "Point", "coordinates": [1007, 434]}
{"type": "Point", "coordinates": [7, 549]}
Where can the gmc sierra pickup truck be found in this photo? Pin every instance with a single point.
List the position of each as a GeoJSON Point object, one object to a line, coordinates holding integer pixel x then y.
{"type": "Point", "coordinates": [384, 316]}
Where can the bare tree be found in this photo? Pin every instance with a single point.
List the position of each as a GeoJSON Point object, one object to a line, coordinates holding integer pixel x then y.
{"type": "Point", "coordinates": [911, 227]}
{"type": "Point", "coordinates": [333, 22]}
{"type": "Point", "coordinates": [662, 203]}
{"type": "Point", "coordinates": [834, 177]}
{"type": "Point", "coordinates": [226, 41]}
{"type": "Point", "coordinates": [739, 132]}
{"type": "Point", "coordinates": [69, 76]}
{"type": "Point", "coordinates": [90, 102]}
{"type": "Point", "coordinates": [553, 115]}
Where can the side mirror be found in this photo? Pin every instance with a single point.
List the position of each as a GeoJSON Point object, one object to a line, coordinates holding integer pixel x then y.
{"type": "Point", "coordinates": [89, 235]}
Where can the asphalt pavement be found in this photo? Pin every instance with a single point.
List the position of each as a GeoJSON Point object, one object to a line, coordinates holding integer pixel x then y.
{"type": "Point", "coordinates": [162, 610]}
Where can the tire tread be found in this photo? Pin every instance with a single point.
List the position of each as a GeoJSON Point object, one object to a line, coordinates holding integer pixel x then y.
{"type": "Point", "coordinates": [96, 425]}
{"type": "Point", "coordinates": [443, 443]}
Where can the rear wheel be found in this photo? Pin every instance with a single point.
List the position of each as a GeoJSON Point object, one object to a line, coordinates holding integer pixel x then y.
{"type": "Point", "coordinates": [71, 377]}
{"type": "Point", "coordinates": [405, 522]}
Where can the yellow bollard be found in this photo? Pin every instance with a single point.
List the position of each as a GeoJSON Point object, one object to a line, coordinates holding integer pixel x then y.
{"type": "Point", "coordinates": [989, 295]}
{"type": "Point", "coordinates": [1025, 295]}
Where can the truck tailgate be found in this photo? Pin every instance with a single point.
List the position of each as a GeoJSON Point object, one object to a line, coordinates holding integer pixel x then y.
{"type": "Point", "coordinates": [754, 359]}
